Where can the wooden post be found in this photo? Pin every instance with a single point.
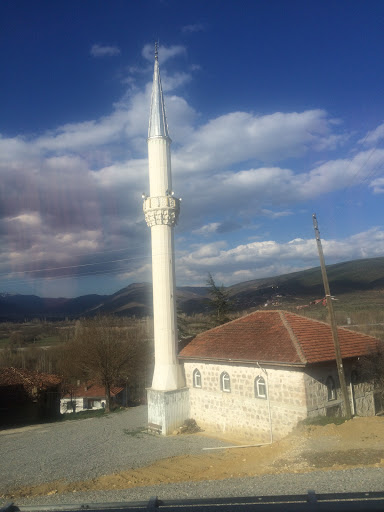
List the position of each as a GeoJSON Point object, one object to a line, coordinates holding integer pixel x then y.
{"type": "Point", "coordinates": [335, 337]}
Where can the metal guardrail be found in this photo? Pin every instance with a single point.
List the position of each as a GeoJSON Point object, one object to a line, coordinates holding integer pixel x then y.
{"type": "Point", "coordinates": [343, 502]}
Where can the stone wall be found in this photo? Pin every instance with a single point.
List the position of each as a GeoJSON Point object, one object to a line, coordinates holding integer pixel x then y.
{"type": "Point", "coordinates": [360, 393]}
{"type": "Point", "coordinates": [239, 412]}
{"type": "Point", "coordinates": [363, 399]}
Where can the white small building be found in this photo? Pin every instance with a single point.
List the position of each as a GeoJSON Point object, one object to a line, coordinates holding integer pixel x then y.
{"type": "Point", "coordinates": [91, 397]}
{"type": "Point", "coordinates": [257, 376]}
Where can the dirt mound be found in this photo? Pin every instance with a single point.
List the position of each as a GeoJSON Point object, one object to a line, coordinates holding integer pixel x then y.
{"type": "Point", "coordinates": [355, 443]}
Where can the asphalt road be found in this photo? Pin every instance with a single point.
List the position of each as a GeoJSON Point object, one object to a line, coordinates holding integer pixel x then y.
{"type": "Point", "coordinates": [322, 482]}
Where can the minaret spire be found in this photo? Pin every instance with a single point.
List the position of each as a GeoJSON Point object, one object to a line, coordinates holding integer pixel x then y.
{"type": "Point", "coordinates": [158, 126]}
{"type": "Point", "coordinates": [161, 211]}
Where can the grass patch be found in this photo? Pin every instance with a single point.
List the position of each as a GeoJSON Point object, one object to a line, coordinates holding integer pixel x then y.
{"type": "Point", "coordinates": [137, 432]}
{"type": "Point", "coordinates": [82, 415]}
{"type": "Point", "coordinates": [49, 341]}
{"type": "Point", "coordinates": [323, 420]}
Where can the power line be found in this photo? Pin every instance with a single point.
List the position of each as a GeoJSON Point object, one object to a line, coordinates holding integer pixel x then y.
{"type": "Point", "coordinates": [79, 255]}
{"type": "Point", "coordinates": [48, 269]}
{"type": "Point", "coordinates": [69, 276]}
{"type": "Point", "coordinates": [77, 275]}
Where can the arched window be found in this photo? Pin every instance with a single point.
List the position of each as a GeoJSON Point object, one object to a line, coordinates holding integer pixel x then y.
{"type": "Point", "coordinates": [260, 388]}
{"type": "Point", "coordinates": [196, 379]}
{"type": "Point", "coordinates": [225, 382]}
{"type": "Point", "coordinates": [330, 383]}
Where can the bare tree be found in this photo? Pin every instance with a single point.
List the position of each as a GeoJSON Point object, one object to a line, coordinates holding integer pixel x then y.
{"type": "Point", "coordinates": [106, 351]}
{"type": "Point", "coordinates": [67, 364]}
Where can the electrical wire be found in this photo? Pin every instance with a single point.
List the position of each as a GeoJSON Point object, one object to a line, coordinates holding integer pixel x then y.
{"type": "Point", "coordinates": [81, 264]}
{"type": "Point", "coordinates": [78, 275]}
{"type": "Point", "coordinates": [69, 266]}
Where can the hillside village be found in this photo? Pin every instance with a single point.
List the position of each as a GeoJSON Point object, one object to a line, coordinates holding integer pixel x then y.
{"type": "Point", "coordinates": [45, 348]}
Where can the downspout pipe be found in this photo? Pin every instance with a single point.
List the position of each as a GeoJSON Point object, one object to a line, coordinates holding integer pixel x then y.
{"type": "Point", "coordinates": [269, 402]}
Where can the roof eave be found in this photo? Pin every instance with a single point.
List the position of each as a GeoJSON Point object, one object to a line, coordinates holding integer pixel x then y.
{"type": "Point", "coordinates": [243, 361]}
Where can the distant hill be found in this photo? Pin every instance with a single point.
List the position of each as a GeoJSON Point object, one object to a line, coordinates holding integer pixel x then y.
{"type": "Point", "coordinates": [344, 278]}
{"type": "Point", "coordinates": [366, 275]}
{"type": "Point", "coordinates": [17, 307]}
{"type": "Point", "coordinates": [136, 299]}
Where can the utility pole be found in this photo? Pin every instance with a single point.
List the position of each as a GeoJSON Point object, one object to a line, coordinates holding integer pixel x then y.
{"type": "Point", "coordinates": [335, 337]}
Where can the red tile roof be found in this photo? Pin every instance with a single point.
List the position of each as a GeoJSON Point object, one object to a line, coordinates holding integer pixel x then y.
{"type": "Point", "coordinates": [93, 391]}
{"type": "Point", "coordinates": [276, 336]}
{"type": "Point", "coordinates": [29, 380]}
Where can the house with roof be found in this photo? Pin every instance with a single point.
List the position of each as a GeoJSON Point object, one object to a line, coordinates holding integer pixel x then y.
{"type": "Point", "coordinates": [257, 376]}
{"type": "Point", "coordinates": [91, 396]}
{"type": "Point", "coordinates": [27, 396]}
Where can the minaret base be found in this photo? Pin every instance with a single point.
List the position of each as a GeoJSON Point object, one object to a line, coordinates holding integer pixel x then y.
{"type": "Point", "coordinates": [167, 410]}
{"type": "Point", "coordinates": [167, 377]}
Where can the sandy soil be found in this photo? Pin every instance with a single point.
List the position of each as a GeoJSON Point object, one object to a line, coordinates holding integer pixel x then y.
{"type": "Point", "coordinates": [356, 443]}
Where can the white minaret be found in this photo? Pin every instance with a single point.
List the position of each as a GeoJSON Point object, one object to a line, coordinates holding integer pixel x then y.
{"type": "Point", "coordinates": [161, 211]}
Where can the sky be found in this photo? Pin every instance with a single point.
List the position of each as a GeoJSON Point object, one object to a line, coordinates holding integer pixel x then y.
{"type": "Point", "coordinates": [275, 110]}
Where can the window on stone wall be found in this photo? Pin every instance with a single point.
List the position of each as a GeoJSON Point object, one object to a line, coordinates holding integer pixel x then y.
{"type": "Point", "coordinates": [260, 388]}
{"type": "Point", "coordinates": [225, 382]}
{"type": "Point", "coordinates": [330, 383]}
{"type": "Point", "coordinates": [354, 377]}
{"type": "Point", "coordinates": [196, 379]}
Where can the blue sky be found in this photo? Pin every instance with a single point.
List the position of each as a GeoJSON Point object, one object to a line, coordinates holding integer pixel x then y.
{"type": "Point", "coordinates": [275, 110]}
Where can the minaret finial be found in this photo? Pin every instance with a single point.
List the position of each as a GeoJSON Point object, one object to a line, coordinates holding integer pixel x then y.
{"type": "Point", "coordinates": [157, 118]}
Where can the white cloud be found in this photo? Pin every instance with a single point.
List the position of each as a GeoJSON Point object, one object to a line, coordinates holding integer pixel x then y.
{"type": "Point", "coordinates": [28, 219]}
{"type": "Point", "coordinates": [241, 136]}
{"type": "Point", "coordinates": [104, 50]}
{"type": "Point", "coordinates": [275, 215]}
{"type": "Point", "coordinates": [165, 52]}
{"type": "Point", "coordinates": [143, 273]}
{"type": "Point", "coordinates": [14, 150]}
{"type": "Point", "coordinates": [171, 82]}
{"type": "Point", "coordinates": [207, 229]}
{"type": "Point", "coordinates": [268, 258]}
{"type": "Point", "coordinates": [77, 188]}
{"type": "Point", "coordinates": [374, 136]}
{"type": "Point", "coordinates": [246, 193]}
{"type": "Point", "coordinates": [194, 27]}
{"type": "Point", "coordinates": [378, 186]}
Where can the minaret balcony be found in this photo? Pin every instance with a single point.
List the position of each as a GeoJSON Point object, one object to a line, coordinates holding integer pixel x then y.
{"type": "Point", "coordinates": [161, 210]}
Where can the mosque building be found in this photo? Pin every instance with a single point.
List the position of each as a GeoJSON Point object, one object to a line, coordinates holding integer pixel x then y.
{"type": "Point", "coordinates": [254, 377]}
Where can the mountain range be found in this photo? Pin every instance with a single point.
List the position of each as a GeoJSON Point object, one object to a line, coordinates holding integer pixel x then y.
{"type": "Point", "coordinates": [363, 275]}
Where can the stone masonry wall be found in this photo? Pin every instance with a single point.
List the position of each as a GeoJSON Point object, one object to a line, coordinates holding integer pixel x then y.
{"type": "Point", "coordinates": [240, 412]}
{"type": "Point", "coordinates": [360, 393]}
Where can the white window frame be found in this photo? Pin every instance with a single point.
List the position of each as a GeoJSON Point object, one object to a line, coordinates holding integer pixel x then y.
{"type": "Point", "coordinates": [225, 382]}
{"type": "Point", "coordinates": [259, 384]}
{"type": "Point", "coordinates": [196, 378]}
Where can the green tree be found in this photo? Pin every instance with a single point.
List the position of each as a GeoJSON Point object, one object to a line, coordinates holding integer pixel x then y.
{"type": "Point", "coordinates": [220, 303]}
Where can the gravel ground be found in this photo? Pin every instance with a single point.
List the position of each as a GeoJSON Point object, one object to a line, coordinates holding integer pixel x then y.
{"type": "Point", "coordinates": [83, 449]}
{"type": "Point", "coordinates": [353, 480]}
{"type": "Point", "coordinates": [79, 450]}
